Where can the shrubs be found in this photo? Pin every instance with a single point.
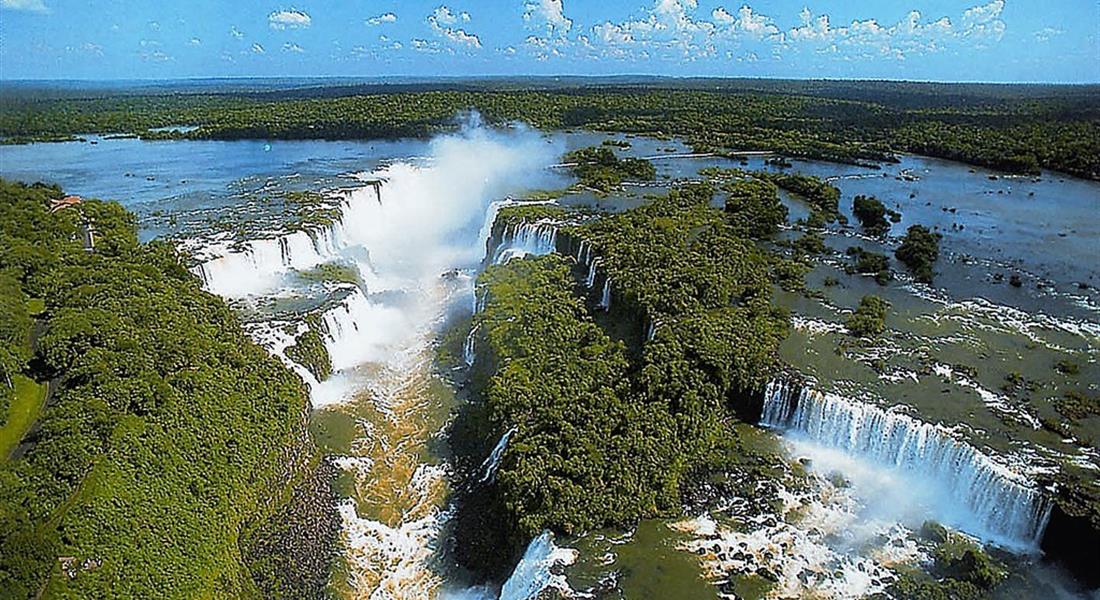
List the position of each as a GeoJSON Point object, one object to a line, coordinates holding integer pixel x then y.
{"type": "Point", "coordinates": [309, 350]}
{"type": "Point", "coordinates": [918, 251]}
{"type": "Point", "coordinates": [811, 242]}
{"type": "Point", "coordinates": [600, 169]}
{"type": "Point", "coordinates": [753, 204]}
{"type": "Point", "coordinates": [869, 263]}
{"type": "Point", "coordinates": [585, 453]}
{"type": "Point", "coordinates": [872, 214]}
{"type": "Point", "coordinates": [824, 199]}
{"type": "Point", "coordinates": [869, 317]}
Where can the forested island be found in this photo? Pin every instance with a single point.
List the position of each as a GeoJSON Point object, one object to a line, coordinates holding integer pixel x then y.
{"type": "Point", "coordinates": [1018, 129]}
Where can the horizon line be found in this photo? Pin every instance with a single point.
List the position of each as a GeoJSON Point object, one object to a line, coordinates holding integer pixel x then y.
{"type": "Point", "coordinates": [458, 78]}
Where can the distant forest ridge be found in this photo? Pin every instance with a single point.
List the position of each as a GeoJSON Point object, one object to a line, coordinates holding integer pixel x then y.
{"type": "Point", "coordinates": [945, 93]}
{"type": "Point", "coordinates": [1014, 128]}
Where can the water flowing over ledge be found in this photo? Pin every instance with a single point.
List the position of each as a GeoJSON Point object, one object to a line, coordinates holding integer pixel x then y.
{"type": "Point", "coordinates": [978, 495]}
{"type": "Point", "coordinates": [523, 239]}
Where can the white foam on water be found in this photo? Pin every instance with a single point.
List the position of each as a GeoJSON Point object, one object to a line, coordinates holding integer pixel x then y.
{"type": "Point", "coordinates": [822, 544]}
{"type": "Point", "coordinates": [538, 570]}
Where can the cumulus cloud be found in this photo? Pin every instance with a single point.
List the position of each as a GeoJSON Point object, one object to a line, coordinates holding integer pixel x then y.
{"type": "Point", "coordinates": [548, 15]}
{"type": "Point", "coordinates": [443, 16]}
{"type": "Point", "coordinates": [752, 24]}
{"type": "Point", "coordinates": [237, 33]}
{"type": "Point", "coordinates": [382, 18]}
{"type": "Point", "coordinates": [195, 41]}
{"type": "Point", "coordinates": [292, 47]}
{"type": "Point", "coordinates": [984, 21]}
{"type": "Point", "coordinates": [92, 48]}
{"type": "Point", "coordinates": [27, 5]}
{"type": "Point", "coordinates": [673, 30]}
{"type": "Point", "coordinates": [258, 48]}
{"type": "Point", "coordinates": [442, 20]}
{"type": "Point", "coordinates": [288, 19]}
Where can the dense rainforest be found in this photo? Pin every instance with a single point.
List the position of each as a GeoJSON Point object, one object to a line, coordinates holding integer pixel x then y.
{"type": "Point", "coordinates": [154, 440]}
{"type": "Point", "coordinates": [609, 424]}
{"type": "Point", "coordinates": [1013, 128]}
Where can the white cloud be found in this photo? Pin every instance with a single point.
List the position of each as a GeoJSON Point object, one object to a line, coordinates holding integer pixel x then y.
{"type": "Point", "coordinates": [548, 15]}
{"type": "Point", "coordinates": [258, 49]}
{"type": "Point", "coordinates": [288, 19]}
{"type": "Point", "coordinates": [27, 5]}
{"type": "Point", "coordinates": [984, 21]}
{"type": "Point", "coordinates": [812, 28]}
{"type": "Point", "coordinates": [441, 21]}
{"type": "Point", "coordinates": [425, 46]}
{"type": "Point", "coordinates": [382, 18]}
{"type": "Point", "coordinates": [195, 41]}
{"type": "Point", "coordinates": [237, 33]}
{"type": "Point", "coordinates": [92, 48]}
{"type": "Point", "coordinates": [671, 30]}
{"type": "Point", "coordinates": [1046, 33]}
{"type": "Point", "coordinates": [443, 16]}
{"type": "Point", "coordinates": [156, 56]}
{"type": "Point", "coordinates": [292, 47]}
{"type": "Point", "coordinates": [746, 21]}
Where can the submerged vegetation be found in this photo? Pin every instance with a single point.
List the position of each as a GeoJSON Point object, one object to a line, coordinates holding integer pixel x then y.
{"type": "Point", "coordinates": [869, 318]}
{"type": "Point", "coordinates": [919, 250]}
{"type": "Point", "coordinates": [599, 168]}
{"type": "Point", "coordinates": [167, 437]}
{"type": "Point", "coordinates": [872, 214]}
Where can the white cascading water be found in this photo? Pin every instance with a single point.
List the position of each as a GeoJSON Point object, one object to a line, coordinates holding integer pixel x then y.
{"type": "Point", "coordinates": [590, 280]}
{"type": "Point", "coordinates": [492, 462]}
{"type": "Point", "coordinates": [965, 488]}
{"type": "Point", "coordinates": [469, 353]}
{"type": "Point", "coordinates": [260, 263]}
{"type": "Point", "coordinates": [535, 571]}
{"type": "Point", "coordinates": [605, 297]}
{"type": "Point", "coordinates": [534, 239]}
{"type": "Point", "coordinates": [357, 330]}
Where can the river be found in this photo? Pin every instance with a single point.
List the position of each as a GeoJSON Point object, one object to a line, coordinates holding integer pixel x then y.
{"type": "Point", "coordinates": [413, 247]}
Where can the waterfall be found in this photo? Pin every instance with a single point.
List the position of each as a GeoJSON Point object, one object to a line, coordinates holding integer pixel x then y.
{"type": "Point", "coordinates": [605, 297]}
{"type": "Point", "coordinates": [590, 280]}
{"type": "Point", "coordinates": [535, 571]}
{"type": "Point", "coordinates": [979, 495]}
{"type": "Point", "coordinates": [357, 330]}
{"type": "Point", "coordinates": [538, 239]}
{"type": "Point", "coordinates": [651, 331]}
{"type": "Point", "coordinates": [492, 463]}
{"type": "Point", "coordinates": [468, 353]}
{"type": "Point", "coordinates": [257, 265]}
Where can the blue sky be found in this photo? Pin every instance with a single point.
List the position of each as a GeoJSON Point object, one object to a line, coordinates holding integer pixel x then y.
{"type": "Point", "coordinates": [947, 40]}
